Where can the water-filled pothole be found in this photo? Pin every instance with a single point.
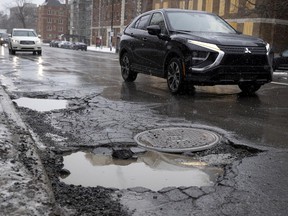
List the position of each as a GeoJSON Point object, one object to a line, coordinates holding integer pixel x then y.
{"type": "Point", "coordinates": [41, 105]}
{"type": "Point", "coordinates": [151, 170]}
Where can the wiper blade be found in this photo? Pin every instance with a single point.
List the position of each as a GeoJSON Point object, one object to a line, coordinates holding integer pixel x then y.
{"type": "Point", "coordinates": [186, 31]}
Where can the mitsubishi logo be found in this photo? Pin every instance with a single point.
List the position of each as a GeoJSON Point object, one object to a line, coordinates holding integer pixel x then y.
{"type": "Point", "coordinates": [247, 51]}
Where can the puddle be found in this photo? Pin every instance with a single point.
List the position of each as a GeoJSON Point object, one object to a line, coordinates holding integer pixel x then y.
{"type": "Point", "coordinates": [151, 170]}
{"type": "Point", "coordinates": [41, 105]}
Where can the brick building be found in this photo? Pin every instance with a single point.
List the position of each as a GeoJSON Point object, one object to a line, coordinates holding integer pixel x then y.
{"type": "Point", "coordinates": [52, 20]}
{"type": "Point", "coordinates": [262, 18]}
{"type": "Point", "coordinates": [112, 16]}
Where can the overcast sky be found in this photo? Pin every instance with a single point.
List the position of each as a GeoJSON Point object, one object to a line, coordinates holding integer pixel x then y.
{"type": "Point", "coordinates": [11, 3]}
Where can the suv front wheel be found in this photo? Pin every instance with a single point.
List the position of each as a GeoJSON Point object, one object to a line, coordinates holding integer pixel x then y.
{"type": "Point", "coordinates": [175, 80]}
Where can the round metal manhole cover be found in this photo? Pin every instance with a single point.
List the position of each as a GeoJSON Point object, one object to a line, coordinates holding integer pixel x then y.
{"type": "Point", "coordinates": [177, 139]}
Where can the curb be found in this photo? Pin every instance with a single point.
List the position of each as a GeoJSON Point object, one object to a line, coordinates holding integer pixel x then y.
{"type": "Point", "coordinates": [25, 180]}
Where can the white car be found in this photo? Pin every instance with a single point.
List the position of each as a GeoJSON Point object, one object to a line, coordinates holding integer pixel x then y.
{"type": "Point", "coordinates": [24, 40]}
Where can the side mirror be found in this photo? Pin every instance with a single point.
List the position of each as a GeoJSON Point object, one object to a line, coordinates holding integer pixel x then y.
{"type": "Point", "coordinates": [9, 35]}
{"type": "Point", "coordinates": [154, 30]}
{"type": "Point", "coordinates": [39, 36]}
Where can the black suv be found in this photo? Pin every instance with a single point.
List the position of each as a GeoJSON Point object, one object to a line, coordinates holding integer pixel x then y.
{"type": "Point", "coordinates": [193, 48]}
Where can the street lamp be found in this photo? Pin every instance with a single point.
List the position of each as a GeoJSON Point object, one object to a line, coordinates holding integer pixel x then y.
{"type": "Point", "coordinates": [111, 32]}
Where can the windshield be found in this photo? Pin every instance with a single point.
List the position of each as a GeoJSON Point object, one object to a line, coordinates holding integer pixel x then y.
{"type": "Point", "coordinates": [24, 33]}
{"type": "Point", "coordinates": [187, 21]}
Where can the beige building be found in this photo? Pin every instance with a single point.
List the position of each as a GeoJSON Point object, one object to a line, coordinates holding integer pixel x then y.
{"type": "Point", "coordinates": [262, 18]}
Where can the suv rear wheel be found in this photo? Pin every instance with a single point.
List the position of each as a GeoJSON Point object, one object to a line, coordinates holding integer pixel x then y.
{"type": "Point", "coordinates": [127, 74]}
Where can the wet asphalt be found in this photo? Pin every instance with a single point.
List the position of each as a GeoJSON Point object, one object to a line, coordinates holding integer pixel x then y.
{"type": "Point", "coordinates": [105, 111]}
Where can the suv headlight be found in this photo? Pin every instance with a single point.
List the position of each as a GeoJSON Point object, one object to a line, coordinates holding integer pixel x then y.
{"type": "Point", "coordinates": [15, 41]}
{"type": "Point", "coordinates": [199, 56]}
{"type": "Point", "coordinates": [201, 59]}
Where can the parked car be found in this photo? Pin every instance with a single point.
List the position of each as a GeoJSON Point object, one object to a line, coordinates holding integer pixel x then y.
{"type": "Point", "coordinates": [281, 61]}
{"type": "Point", "coordinates": [65, 44]}
{"type": "Point", "coordinates": [3, 38]}
{"type": "Point", "coordinates": [24, 40]}
{"type": "Point", "coordinates": [193, 48]}
{"type": "Point", "coordinates": [79, 46]}
{"type": "Point", "coordinates": [54, 43]}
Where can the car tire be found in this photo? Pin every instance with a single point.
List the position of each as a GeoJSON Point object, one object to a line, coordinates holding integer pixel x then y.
{"type": "Point", "coordinates": [127, 74]}
{"type": "Point", "coordinates": [249, 88]}
{"type": "Point", "coordinates": [175, 80]}
{"type": "Point", "coordinates": [39, 52]}
{"type": "Point", "coordinates": [13, 52]}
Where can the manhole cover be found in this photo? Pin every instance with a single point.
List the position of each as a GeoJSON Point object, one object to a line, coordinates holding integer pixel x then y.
{"type": "Point", "coordinates": [177, 139]}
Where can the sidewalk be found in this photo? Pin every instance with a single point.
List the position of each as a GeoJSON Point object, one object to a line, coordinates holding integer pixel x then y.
{"type": "Point", "coordinates": [25, 188]}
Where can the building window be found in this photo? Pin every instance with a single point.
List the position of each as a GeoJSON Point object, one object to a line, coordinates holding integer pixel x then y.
{"type": "Point", "coordinates": [234, 24]}
{"type": "Point", "coordinates": [222, 8]}
{"type": "Point", "coordinates": [234, 4]}
{"type": "Point", "coordinates": [191, 4]}
{"type": "Point", "coordinates": [200, 5]}
{"type": "Point", "coordinates": [182, 4]}
{"type": "Point", "coordinates": [49, 12]}
{"type": "Point", "coordinates": [248, 28]}
{"type": "Point", "coordinates": [157, 6]}
{"type": "Point", "coordinates": [60, 21]}
{"type": "Point", "coordinates": [49, 20]}
{"type": "Point", "coordinates": [165, 5]}
{"type": "Point", "coordinates": [60, 29]}
{"type": "Point", "coordinates": [209, 6]}
{"type": "Point", "coordinates": [49, 28]}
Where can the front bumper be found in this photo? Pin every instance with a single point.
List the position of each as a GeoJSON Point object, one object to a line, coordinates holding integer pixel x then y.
{"type": "Point", "coordinates": [230, 65]}
{"type": "Point", "coordinates": [228, 74]}
{"type": "Point", "coordinates": [26, 47]}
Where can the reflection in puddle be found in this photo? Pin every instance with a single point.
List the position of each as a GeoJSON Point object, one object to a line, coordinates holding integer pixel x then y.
{"type": "Point", "coordinates": [151, 170]}
{"type": "Point", "coordinates": [41, 105]}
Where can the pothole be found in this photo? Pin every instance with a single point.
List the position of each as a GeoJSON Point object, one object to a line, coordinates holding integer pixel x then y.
{"type": "Point", "coordinates": [41, 105]}
{"type": "Point", "coordinates": [177, 139]}
{"type": "Point", "coordinates": [149, 169]}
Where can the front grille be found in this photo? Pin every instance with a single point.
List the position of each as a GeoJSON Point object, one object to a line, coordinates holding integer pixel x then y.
{"type": "Point", "coordinates": [27, 42]}
{"type": "Point", "coordinates": [244, 60]}
{"type": "Point", "coordinates": [243, 50]}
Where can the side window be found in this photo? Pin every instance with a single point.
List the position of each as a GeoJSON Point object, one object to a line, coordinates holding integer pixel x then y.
{"type": "Point", "coordinates": [141, 23]}
{"type": "Point", "coordinates": [158, 19]}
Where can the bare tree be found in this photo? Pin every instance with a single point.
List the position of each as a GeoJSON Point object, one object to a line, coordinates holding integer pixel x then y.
{"type": "Point", "coordinates": [265, 8]}
{"type": "Point", "coordinates": [24, 12]}
{"type": "Point", "coordinates": [3, 20]}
